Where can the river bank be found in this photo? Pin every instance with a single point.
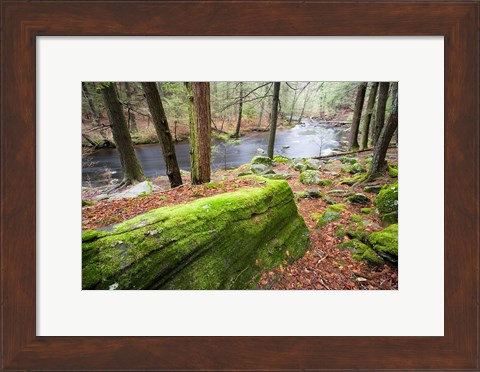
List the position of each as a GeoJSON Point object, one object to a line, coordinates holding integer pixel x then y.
{"type": "Point", "coordinates": [308, 139]}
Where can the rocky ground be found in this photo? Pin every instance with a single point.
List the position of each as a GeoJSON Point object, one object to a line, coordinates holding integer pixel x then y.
{"type": "Point", "coordinates": [350, 248]}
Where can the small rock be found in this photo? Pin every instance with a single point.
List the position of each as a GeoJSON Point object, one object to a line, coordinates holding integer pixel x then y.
{"type": "Point", "coordinates": [314, 193]}
{"type": "Point", "coordinates": [373, 188]}
{"type": "Point", "coordinates": [358, 199]}
{"type": "Point", "coordinates": [344, 193]}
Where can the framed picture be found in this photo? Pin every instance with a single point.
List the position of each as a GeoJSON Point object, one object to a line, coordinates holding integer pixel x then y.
{"type": "Point", "coordinates": [271, 332]}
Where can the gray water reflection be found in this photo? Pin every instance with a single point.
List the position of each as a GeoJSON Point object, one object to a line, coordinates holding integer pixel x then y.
{"type": "Point", "coordinates": [304, 140]}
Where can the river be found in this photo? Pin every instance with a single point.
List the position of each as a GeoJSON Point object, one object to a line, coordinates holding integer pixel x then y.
{"type": "Point", "coordinates": [304, 140]}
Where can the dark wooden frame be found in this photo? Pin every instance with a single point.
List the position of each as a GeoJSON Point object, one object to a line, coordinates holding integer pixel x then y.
{"type": "Point", "coordinates": [22, 21]}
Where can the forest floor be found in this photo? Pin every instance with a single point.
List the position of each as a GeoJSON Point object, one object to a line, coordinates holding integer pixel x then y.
{"type": "Point", "coordinates": [324, 265]}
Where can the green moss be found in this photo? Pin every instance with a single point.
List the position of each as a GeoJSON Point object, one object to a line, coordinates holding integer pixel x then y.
{"type": "Point", "coordinates": [358, 168]}
{"type": "Point", "coordinates": [337, 207]}
{"type": "Point", "coordinates": [390, 218]}
{"type": "Point", "coordinates": [211, 185]}
{"type": "Point", "coordinates": [86, 203]}
{"type": "Point", "coordinates": [278, 176]}
{"type": "Point", "coordinates": [309, 177]}
{"type": "Point", "coordinates": [353, 180]}
{"type": "Point", "coordinates": [327, 217]}
{"type": "Point", "coordinates": [281, 159]}
{"type": "Point", "coordinates": [373, 188]}
{"type": "Point", "coordinates": [355, 218]}
{"type": "Point", "coordinates": [356, 230]}
{"type": "Point", "coordinates": [393, 172]}
{"type": "Point", "coordinates": [210, 243]}
{"type": "Point", "coordinates": [262, 160]}
{"type": "Point", "coordinates": [385, 242]}
{"type": "Point", "coordinates": [387, 199]}
{"type": "Point", "coordinates": [332, 213]}
{"type": "Point", "coordinates": [362, 252]}
{"type": "Point", "coordinates": [366, 210]}
{"type": "Point", "coordinates": [358, 199]}
{"type": "Point", "coordinates": [340, 231]}
{"type": "Point", "coordinates": [328, 200]}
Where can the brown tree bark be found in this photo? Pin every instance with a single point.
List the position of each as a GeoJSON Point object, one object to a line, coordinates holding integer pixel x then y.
{"type": "Point", "coordinates": [357, 114]}
{"type": "Point", "coordinates": [163, 132]}
{"type": "Point", "coordinates": [200, 131]}
{"type": "Point", "coordinates": [380, 151]}
{"type": "Point", "coordinates": [380, 113]}
{"type": "Point", "coordinates": [273, 119]}
{"type": "Point", "coordinates": [240, 111]}
{"type": "Point", "coordinates": [132, 170]}
{"type": "Point", "coordinates": [132, 122]}
{"type": "Point", "coordinates": [368, 115]}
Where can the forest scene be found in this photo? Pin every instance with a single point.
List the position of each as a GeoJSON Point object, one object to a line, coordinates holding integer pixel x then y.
{"type": "Point", "coordinates": [240, 185]}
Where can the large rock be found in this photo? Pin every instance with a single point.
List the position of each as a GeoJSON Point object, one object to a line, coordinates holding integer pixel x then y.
{"type": "Point", "coordinates": [220, 242]}
{"type": "Point", "coordinates": [387, 203]}
{"type": "Point", "coordinates": [265, 160]}
{"type": "Point", "coordinates": [385, 243]}
{"type": "Point", "coordinates": [140, 189]}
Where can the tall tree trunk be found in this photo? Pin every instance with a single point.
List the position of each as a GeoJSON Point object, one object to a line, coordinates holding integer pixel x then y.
{"type": "Point", "coordinates": [380, 114]}
{"type": "Point", "coordinates": [368, 115]}
{"type": "Point", "coordinates": [132, 122]}
{"type": "Point", "coordinates": [293, 106]}
{"type": "Point", "coordinates": [240, 109]}
{"type": "Point", "coordinates": [200, 131]}
{"type": "Point", "coordinates": [357, 115]}
{"type": "Point", "coordinates": [262, 108]}
{"type": "Point", "coordinates": [380, 151]}
{"type": "Point", "coordinates": [163, 132]}
{"type": "Point", "coordinates": [273, 119]}
{"type": "Point", "coordinates": [132, 170]}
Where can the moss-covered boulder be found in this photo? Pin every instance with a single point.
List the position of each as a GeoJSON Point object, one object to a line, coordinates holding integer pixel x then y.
{"type": "Point", "coordinates": [332, 213]}
{"type": "Point", "coordinates": [358, 168]}
{"type": "Point", "coordinates": [358, 199]}
{"type": "Point", "coordinates": [385, 243]}
{"type": "Point", "coordinates": [281, 159]}
{"type": "Point", "coordinates": [362, 252]}
{"type": "Point", "coordinates": [265, 160]}
{"type": "Point", "coordinates": [220, 242]}
{"type": "Point", "coordinates": [373, 188]}
{"type": "Point", "coordinates": [392, 170]}
{"type": "Point", "coordinates": [387, 202]}
{"type": "Point", "coordinates": [309, 177]}
{"type": "Point", "coordinates": [260, 168]}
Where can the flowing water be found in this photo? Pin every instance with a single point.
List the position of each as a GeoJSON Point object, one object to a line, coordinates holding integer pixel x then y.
{"type": "Point", "coordinates": [310, 138]}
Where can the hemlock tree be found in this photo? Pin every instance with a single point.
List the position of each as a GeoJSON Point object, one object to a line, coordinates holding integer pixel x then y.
{"type": "Point", "coordinates": [200, 131]}
{"type": "Point", "coordinates": [380, 113]}
{"type": "Point", "coordinates": [380, 151]}
{"type": "Point", "coordinates": [132, 171]}
{"type": "Point", "coordinates": [273, 119]}
{"type": "Point", "coordinates": [368, 115]}
{"type": "Point", "coordinates": [163, 132]}
{"type": "Point", "coordinates": [357, 114]}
